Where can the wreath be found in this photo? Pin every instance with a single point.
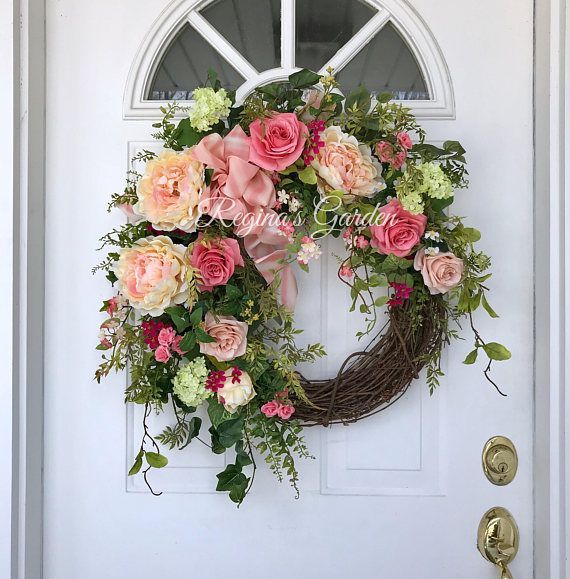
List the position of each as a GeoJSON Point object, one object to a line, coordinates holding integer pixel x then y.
{"type": "Point", "coordinates": [219, 223]}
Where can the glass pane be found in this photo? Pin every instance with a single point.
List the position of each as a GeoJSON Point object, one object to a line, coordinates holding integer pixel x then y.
{"type": "Point", "coordinates": [324, 26]}
{"type": "Point", "coordinates": [185, 66]}
{"type": "Point", "coordinates": [386, 64]}
{"type": "Point", "coordinates": [253, 27]}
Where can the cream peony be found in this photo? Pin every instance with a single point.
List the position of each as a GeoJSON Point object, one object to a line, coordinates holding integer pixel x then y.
{"type": "Point", "coordinates": [152, 274]}
{"type": "Point", "coordinates": [169, 192]}
{"type": "Point", "coordinates": [344, 164]}
{"type": "Point", "coordinates": [441, 271]}
{"type": "Point", "coordinates": [237, 390]}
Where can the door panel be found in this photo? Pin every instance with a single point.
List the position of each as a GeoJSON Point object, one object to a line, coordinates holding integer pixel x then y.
{"type": "Point", "coordinates": [398, 495]}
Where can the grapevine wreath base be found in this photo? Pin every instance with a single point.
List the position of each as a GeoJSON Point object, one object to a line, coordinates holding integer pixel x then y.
{"type": "Point", "coordinates": [373, 379]}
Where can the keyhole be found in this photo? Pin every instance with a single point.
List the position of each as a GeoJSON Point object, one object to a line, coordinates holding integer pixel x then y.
{"type": "Point", "coordinates": [503, 467]}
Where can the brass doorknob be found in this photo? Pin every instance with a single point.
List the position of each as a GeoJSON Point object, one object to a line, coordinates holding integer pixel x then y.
{"type": "Point", "coordinates": [498, 539]}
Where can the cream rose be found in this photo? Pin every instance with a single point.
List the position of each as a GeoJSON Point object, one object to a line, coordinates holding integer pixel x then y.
{"type": "Point", "coordinates": [344, 164]}
{"type": "Point", "coordinates": [152, 274]}
{"type": "Point", "coordinates": [441, 271]}
{"type": "Point", "coordinates": [169, 192]}
{"type": "Point", "coordinates": [230, 336]}
{"type": "Point", "coordinates": [237, 390]}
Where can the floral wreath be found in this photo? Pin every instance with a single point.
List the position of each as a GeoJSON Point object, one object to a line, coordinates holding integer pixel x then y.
{"type": "Point", "coordinates": [204, 276]}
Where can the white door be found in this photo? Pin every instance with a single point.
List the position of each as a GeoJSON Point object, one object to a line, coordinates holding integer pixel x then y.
{"type": "Point", "coordinates": [398, 495]}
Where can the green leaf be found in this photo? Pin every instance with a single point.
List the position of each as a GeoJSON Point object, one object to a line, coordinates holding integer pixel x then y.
{"type": "Point", "coordinates": [471, 357]}
{"type": "Point", "coordinates": [194, 425]}
{"type": "Point", "coordinates": [186, 135]}
{"type": "Point", "coordinates": [290, 169]}
{"type": "Point", "coordinates": [230, 477]}
{"type": "Point", "coordinates": [137, 464]}
{"type": "Point", "coordinates": [180, 317]}
{"type": "Point", "coordinates": [196, 316]}
{"type": "Point", "coordinates": [441, 204]}
{"type": "Point", "coordinates": [381, 301]}
{"type": "Point", "coordinates": [187, 342]}
{"type": "Point", "coordinates": [156, 460]}
{"type": "Point", "coordinates": [358, 98]}
{"type": "Point", "coordinates": [216, 412]}
{"type": "Point", "coordinates": [217, 448]}
{"type": "Point", "coordinates": [204, 337]}
{"type": "Point", "coordinates": [242, 459]}
{"type": "Point", "coordinates": [304, 78]}
{"type": "Point", "coordinates": [496, 351]}
{"type": "Point", "coordinates": [488, 308]}
{"type": "Point", "coordinates": [237, 493]}
{"type": "Point", "coordinates": [230, 432]}
{"type": "Point", "coordinates": [471, 234]}
{"type": "Point", "coordinates": [233, 292]}
{"type": "Point", "coordinates": [308, 175]}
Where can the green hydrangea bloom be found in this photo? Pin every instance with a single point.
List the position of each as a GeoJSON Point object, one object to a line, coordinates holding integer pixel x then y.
{"type": "Point", "coordinates": [412, 202]}
{"type": "Point", "coordinates": [208, 108]}
{"type": "Point", "coordinates": [435, 182]}
{"type": "Point", "coordinates": [190, 382]}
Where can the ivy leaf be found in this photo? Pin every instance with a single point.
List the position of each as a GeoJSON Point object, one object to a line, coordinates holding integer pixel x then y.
{"type": "Point", "coordinates": [231, 476]}
{"type": "Point", "coordinates": [216, 412]}
{"type": "Point", "coordinates": [230, 432]}
{"type": "Point", "coordinates": [137, 464]}
{"type": "Point", "coordinates": [308, 175]}
{"type": "Point", "coordinates": [471, 357]}
{"type": "Point", "coordinates": [186, 135]}
{"type": "Point", "coordinates": [180, 318]}
{"type": "Point", "coordinates": [496, 351]}
{"type": "Point", "coordinates": [194, 425]}
{"type": "Point", "coordinates": [196, 316]}
{"type": "Point", "coordinates": [488, 308]}
{"type": "Point", "coordinates": [304, 78]}
{"type": "Point", "coordinates": [187, 342]}
{"type": "Point", "coordinates": [242, 459]}
{"type": "Point", "coordinates": [217, 447]}
{"type": "Point", "coordinates": [156, 460]}
{"type": "Point", "coordinates": [202, 336]}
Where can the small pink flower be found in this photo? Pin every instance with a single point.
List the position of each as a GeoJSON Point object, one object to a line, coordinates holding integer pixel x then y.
{"type": "Point", "coordinates": [162, 354]}
{"type": "Point", "coordinates": [398, 160]}
{"type": "Point", "coordinates": [384, 151]}
{"type": "Point", "coordinates": [106, 342]}
{"type": "Point", "coordinates": [166, 336]}
{"type": "Point", "coordinates": [287, 228]}
{"type": "Point", "coordinates": [112, 306]}
{"type": "Point", "coordinates": [346, 271]}
{"type": "Point", "coordinates": [404, 140]}
{"type": "Point", "coordinates": [285, 411]}
{"type": "Point", "coordinates": [176, 345]}
{"type": "Point", "coordinates": [270, 408]}
{"type": "Point", "coordinates": [361, 242]}
{"type": "Point", "coordinates": [282, 393]}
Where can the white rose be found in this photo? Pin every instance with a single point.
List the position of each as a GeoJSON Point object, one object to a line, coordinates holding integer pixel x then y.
{"type": "Point", "coordinates": [237, 390]}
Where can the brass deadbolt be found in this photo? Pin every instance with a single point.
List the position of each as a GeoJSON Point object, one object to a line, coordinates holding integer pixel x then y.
{"type": "Point", "coordinates": [500, 460]}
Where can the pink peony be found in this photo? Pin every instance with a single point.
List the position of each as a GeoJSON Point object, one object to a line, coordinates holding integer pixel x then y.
{"type": "Point", "coordinates": [399, 232]}
{"type": "Point", "coordinates": [404, 140]}
{"type": "Point", "coordinates": [230, 335]}
{"type": "Point", "coordinates": [441, 272]}
{"type": "Point", "coordinates": [285, 411]}
{"type": "Point", "coordinates": [162, 354]}
{"type": "Point", "coordinates": [176, 345]}
{"type": "Point", "coordinates": [277, 141]}
{"type": "Point", "coordinates": [215, 260]}
{"type": "Point", "coordinates": [270, 408]}
{"type": "Point", "coordinates": [166, 336]}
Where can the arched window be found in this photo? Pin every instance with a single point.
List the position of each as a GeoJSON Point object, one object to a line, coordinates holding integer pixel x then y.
{"type": "Point", "coordinates": [382, 44]}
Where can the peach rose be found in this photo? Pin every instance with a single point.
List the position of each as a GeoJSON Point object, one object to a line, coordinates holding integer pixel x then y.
{"type": "Point", "coordinates": [277, 141]}
{"type": "Point", "coordinates": [441, 271]}
{"type": "Point", "coordinates": [230, 335]}
{"type": "Point", "coordinates": [344, 164]}
{"type": "Point", "coordinates": [170, 190]}
{"type": "Point", "coordinates": [152, 274]}
{"type": "Point", "coordinates": [216, 260]}
{"type": "Point", "coordinates": [237, 390]}
{"type": "Point", "coordinates": [399, 232]}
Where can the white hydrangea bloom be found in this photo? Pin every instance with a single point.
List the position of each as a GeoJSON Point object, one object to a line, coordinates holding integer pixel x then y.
{"type": "Point", "coordinates": [190, 382]}
{"type": "Point", "coordinates": [209, 107]}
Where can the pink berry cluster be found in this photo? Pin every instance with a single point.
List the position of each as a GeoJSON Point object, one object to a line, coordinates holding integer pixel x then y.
{"type": "Point", "coordinates": [281, 406]}
{"type": "Point", "coordinates": [162, 339]}
{"type": "Point", "coordinates": [314, 142]}
{"type": "Point", "coordinates": [402, 292]}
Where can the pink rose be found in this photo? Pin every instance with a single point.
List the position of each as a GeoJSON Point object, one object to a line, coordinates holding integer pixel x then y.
{"type": "Point", "coordinates": [384, 151]}
{"type": "Point", "coordinates": [230, 335]}
{"type": "Point", "coordinates": [285, 411]}
{"type": "Point", "coordinates": [176, 345]}
{"type": "Point", "coordinates": [399, 231]}
{"type": "Point", "coordinates": [277, 141]}
{"type": "Point", "coordinates": [162, 354]}
{"type": "Point", "coordinates": [270, 408]}
{"type": "Point", "coordinates": [441, 271]}
{"type": "Point", "coordinates": [404, 140]}
{"type": "Point", "coordinates": [166, 336]}
{"type": "Point", "coordinates": [399, 159]}
{"type": "Point", "coordinates": [215, 260]}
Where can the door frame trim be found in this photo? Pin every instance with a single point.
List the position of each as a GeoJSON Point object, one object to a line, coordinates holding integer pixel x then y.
{"type": "Point", "coordinates": [23, 40]}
